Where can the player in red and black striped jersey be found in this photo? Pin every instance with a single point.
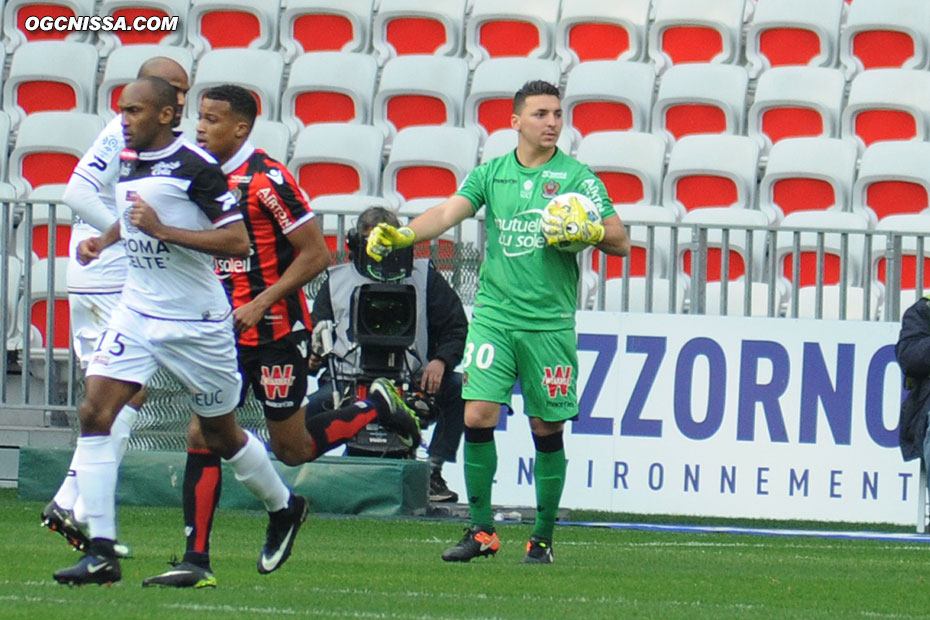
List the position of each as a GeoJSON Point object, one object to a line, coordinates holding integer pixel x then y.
{"type": "Point", "coordinates": [272, 322]}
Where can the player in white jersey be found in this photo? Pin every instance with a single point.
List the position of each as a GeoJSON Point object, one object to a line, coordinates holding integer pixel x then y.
{"type": "Point", "coordinates": [174, 211]}
{"type": "Point", "coordinates": [94, 289]}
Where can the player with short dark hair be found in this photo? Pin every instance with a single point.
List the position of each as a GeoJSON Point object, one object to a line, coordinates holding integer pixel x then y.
{"type": "Point", "coordinates": [271, 319]}
{"type": "Point", "coordinates": [175, 212]}
{"type": "Point", "coordinates": [524, 319]}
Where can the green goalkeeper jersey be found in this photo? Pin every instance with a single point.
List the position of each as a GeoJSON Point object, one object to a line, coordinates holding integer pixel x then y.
{"type": "Point", "coordinates": [523, 283]}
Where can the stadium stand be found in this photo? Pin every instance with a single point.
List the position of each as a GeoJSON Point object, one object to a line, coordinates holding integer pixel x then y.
{"type": "Point", "coordinates": [329, 87]}
{"type": "Point", "coordinates": [50, 75]}
{"type": "Point", "coordinates": [133, 9]}
{"type": "Point", "coordinates": [688, 31]}
{"type": "Point", "coordinates": [885, 33]}
{"type": "Point", "coordinates": [48, 288]}
{"type": "Point", "coordinates": [38, 243]}
{"type": "Point", "coordinates": [793, 32]}
{"type": "Point", "coordinates": [893, 179]}
{"type": "Point", "coordinates": [257, 70]}
{"type": "Point", "coordinates": [337, 158]}
{"type": "Point", "coordinates": [214, 24]}
{"type": "Point", "coordinates": [629, 163]}
{"type": "Point", "coordinates": [325, 25]}
{"type": "Point", "coordinates": [273, 137]}
{"type": "Point", "coordinates": [505, 140]}
{"type": "Point", "coordinates": [122, 67]}
{"type": "Point", "coordinates": [804, 174]}
{"type": "Point", "coordinates": [904, 238]}
{"type": "Point", "coordinates": [16, 12]}
{"type": "Point", "coordinates": [404, 27]}
{"type": "Point", "coordinates": [501, 28]}
{"type": "Point", "coordinates": [601, 30]}
{"type": "Point", "coordinates": [796, 101]}
{"type": "Point", "coordinates": [428, 162]}
{"type": "Point", "coordinates": [608, 95]}
{"type": "Point", "coordinates": [700, 98]}
{"type": "Point", "coordinates": [887, 104]}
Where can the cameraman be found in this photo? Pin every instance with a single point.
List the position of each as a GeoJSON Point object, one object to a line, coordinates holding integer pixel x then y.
{"type": "Point", "coordinates": [432, 360]}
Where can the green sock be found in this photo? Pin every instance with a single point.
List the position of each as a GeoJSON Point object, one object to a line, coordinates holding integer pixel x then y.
{"type": "Point", "coordinates": [480, 467]}
{"type": "Point", "coordinates": [549, 476]}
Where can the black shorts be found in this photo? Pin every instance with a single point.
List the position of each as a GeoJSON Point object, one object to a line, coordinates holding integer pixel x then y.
{"type": "Point", "coordinates": [277, 372]}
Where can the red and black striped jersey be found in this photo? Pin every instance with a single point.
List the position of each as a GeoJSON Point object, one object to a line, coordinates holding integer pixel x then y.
{"type": "Point", "coordinates": [272, 207]}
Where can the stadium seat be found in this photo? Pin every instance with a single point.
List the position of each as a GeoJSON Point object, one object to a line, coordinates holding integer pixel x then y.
{"type": "Point", "coordinates": [50, 75]}
{"type": "Point", "coordinates": [700, 98]}
{"type": "Point", "coordinates": [500, 28]}
{"type": "Point", "coordinates": [711, 171]}
{"type": "Point", "coordinates": [793, 32]}
{"type": "Point", "coordinates": [47, 147]}
{"type": "Point", "coordinates": [804, 174]}
{"type": "Point", "coordinates": [38, 239]}
{"type": "Point", "coordinates": [608, 95]}
{"type": "Point", "coordinates": [687, 31]}
{"type": "Point", "coordinates": [123, 66]}
{"type": "Point", "coordinates": [489, 104]}
{"type": "Point", "coordinates": [257, 70]}
{"type": "Point", "coordinates": [885, 33]}
{"type": "Point", "coordinates": [131, 10]}
{"type": "Point", "coordinates": [893, 179]}
{"type": "Point", "coordinates": [48, 286]}
{"type": "Point", "coordinates": [329, 87]}
{"type": "Point", "coordinates": [419, 90]}
{"type": "Point", "coordinates": [842, 235]}
{"type": "Point", "coordinates": [796, 101]}
{"type": "Point", "coordinates": [737, 240]}
{"type": "Point", "coordinates": [912, 257]}
{"type": "Point", "coordinates": [629, 163]}
{"type": "Point", "coordinates": [428, 162]}
{"type": "Point", "coordinates": [329, 209]}
{"type": "Point", "coordinates": [325, 25]}
{"type": "Point", "coordinates": [215, 24]}
{"type": "Point", "coordinates": [505, 140]}
{"type": "Point", "coordinates": [337, 158]}
{"type": "Point", "coordinates": [601, 30]}
{"type": "Point", "coordinates": [470, 226]}
{"type": "Point", "coordinates": [273, 137]}
{"type": "Point", "coordinates": [15, 13]}
{"type": "Point", "coordinates": [404, 27]}
{"type": "Point", "coordinates": [5, 127]}
{"type": "Point", "coordinates": [887, 104]}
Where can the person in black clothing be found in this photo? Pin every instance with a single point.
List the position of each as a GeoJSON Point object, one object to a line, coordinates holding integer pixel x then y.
{"type": "Point", "coordinates": [436, 352]}
{"type": "Point", "coordinates": [913, 353]}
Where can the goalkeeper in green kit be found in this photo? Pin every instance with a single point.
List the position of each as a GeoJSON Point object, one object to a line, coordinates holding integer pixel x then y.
{"type": "Point", "coordinates": [524, 318]}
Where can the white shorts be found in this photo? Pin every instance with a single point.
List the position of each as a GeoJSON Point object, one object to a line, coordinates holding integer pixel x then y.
{"type": "Point", "coordinates": [90, 313]}
{"type": "Point", "coordinates": [201, 354]}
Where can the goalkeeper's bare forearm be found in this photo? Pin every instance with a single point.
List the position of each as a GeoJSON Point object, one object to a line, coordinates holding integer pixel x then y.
{"type": "Point", "coordinates": [616, 241]}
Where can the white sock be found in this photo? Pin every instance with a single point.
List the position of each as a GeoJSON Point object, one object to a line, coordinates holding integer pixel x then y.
{"type": "Point", "coordinates": [253, 468]}
{"type": "Point", "coordinates": [67, 493]}
{"type": "Point", "coordinates": [96, 467]}
{"type": "Point", "coordinates": [121, 429]}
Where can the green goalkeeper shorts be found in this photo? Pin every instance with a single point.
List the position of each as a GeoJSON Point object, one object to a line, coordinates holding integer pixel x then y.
{"type": "Point", "coordinates": [545, 362]}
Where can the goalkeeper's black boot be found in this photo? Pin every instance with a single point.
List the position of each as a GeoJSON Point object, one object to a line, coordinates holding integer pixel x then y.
{"type": "Point", "coordinates": [538, 551]}
{"type": "Point", "coordinates": [183, 575]}
{"type": "Point", "coordinates": [99, 565]}
{"type": "Point", "coordinates": [477, 541]}
{"type": "Point", "coordinates": [396, 416]}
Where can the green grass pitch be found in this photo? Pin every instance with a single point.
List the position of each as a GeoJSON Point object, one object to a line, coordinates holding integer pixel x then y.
{"type": "Point", "coordinates": [372, 569]}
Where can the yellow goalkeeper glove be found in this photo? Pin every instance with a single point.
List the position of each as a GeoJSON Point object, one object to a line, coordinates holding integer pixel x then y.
{"type": "Point", "coordinates": [569, 223]}
{"type": "Point", "coordinates": [385, 238]}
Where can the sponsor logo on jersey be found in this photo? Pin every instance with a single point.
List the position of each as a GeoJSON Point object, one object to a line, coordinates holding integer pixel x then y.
{"type": "Point", "coordinates": [276, 177]}
{"type": "Point", "coordinates": [550, 189]}
{"type": "Point", "coordinates": [558, 381]}
{"type": "Point", "coordinates": [128, 154]}
{"type": "Point", "coordinates": [507, 181]}
{"type": "Point", "coordinates": [165, 168]}
{"type": "Point", "coordinates": [236, 179]}
{"type": "Point", "coordinates": [527, 191]}
{"type": "Point", "coordinates": [227, 265]}
{"type": "Point", "coordinates": [109, 145]}
{"type": "Point", "coordinates": [270, 200]}
{"type": "Point", "coordinates": [277, 380]}
{"type": "Point", "coordinates": [521, 234]}
{"type": "Point", "coordinates": [554, 174]}
{"type": "Point", "coordinates": [125, 168]}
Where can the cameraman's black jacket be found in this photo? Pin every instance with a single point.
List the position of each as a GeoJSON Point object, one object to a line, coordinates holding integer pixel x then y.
{"type": "Point", "coordinates": [913, 353]}
{"type": "Point", "coordinates": [447, 324]}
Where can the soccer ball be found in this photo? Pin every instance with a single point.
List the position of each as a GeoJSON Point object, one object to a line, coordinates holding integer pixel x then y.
{"type": "Point", "coordinates": [563, 201]}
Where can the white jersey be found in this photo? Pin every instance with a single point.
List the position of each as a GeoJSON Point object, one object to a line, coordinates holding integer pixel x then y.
{"type": "Point", "coordinates": [99, 167]}
{"type": "Point", "coordinates": [187, 189]}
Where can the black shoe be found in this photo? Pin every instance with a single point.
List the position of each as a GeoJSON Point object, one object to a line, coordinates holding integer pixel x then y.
{"type": "Point", "coordinates": [62, 520]}
{"type": "Point", "coordinates": [438, 491]}
{"type": "Point", "coordinates": [397, 416]}
{"type": "Point", "coordinates": [183, 575]}
{"type": "Point", "coordinates": [282, 530]}
{"type": "Point", "coordinates": [92, 568]}
{"type": "Point", "coordinates": [476, 542]}
{"type": "Point", "coordinates": [538, 551]}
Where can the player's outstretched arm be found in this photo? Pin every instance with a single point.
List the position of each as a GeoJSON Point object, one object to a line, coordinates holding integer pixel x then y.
{"type": "Point", "coordinates": [616, 241]}
{"type": "Point", "coordinates": [426, 227]}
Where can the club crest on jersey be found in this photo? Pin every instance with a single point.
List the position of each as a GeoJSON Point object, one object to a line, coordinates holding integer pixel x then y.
{"type": "Point", "coordinates": [558, 380]}
{"type": "Point", "coordinates": [550, 189]}
{"type": "Point", "coordinates": [277, 380]}
{"type": "Point", "coordinates": [165, 168]}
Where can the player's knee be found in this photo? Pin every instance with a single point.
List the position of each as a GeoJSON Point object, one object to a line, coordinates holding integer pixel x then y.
{"type": "Point", "coordinates": [94, 416]}
{"type": "Point", "coordinates": [289, 452]}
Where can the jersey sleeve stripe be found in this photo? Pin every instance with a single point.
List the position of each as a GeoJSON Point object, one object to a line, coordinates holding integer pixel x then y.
{"type": "Point", "coordinates": [87, 177]}
{"type": "Point", "coordinates": [227, 218]}
{"type": "Point", "coordinates": [306, 218]}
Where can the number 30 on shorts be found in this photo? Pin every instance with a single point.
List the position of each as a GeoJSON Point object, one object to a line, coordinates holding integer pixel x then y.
{"type": "Point", "coordinates": [484, 356]}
